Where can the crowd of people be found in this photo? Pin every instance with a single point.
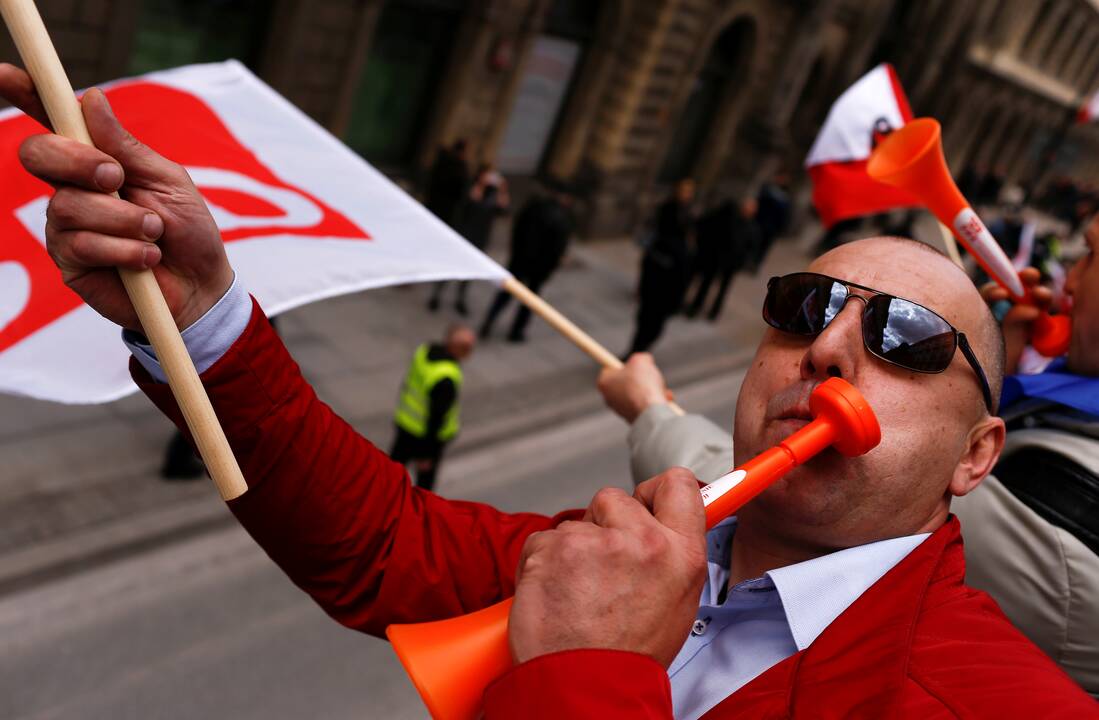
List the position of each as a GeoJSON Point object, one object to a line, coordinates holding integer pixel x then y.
{"type": "Point", "coordinates": [684, 247]}
{"type": "Point", "coordinates": [840, 591]}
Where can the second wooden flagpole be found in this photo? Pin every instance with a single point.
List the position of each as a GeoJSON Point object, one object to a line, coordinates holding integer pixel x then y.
{"type": "Point", "coordinates": [41, 60]}
{"type": "Point", "coordinates": [566, 327]}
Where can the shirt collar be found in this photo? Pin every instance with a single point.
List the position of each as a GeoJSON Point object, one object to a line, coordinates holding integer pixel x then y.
{"type": "Point", "coordinates": [817, 591]}
{"type": "Point", "coordinates": [814, 592]}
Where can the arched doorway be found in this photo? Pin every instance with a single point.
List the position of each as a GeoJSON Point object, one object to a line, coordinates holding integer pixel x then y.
{"type": "Point", "coordinates": [408, 52]}
{"type": "Point", "coordinates": [712, 89]}
{"type": "Point", "coordinates": [549, 74]}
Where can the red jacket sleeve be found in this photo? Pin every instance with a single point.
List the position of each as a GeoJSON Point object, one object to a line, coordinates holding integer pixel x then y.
{"type": "Point", "coordinates": [335, 513]}
{"type": "Point", "coordinates": [603, 684]}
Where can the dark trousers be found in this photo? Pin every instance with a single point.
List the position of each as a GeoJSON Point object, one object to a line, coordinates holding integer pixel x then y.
{"type": "Point", "coordinates": [437, 293]}
{"type": "Point", "coordinates": [662, 291]}
{"type": "Point", "coordinates": [707, 273]}
{"type": "Point", "coordinates": [425, 454]}
{"type": "Point", "coordinates": [522, 315]}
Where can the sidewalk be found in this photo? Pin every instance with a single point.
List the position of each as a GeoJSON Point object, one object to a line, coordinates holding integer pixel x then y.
{"type": "Point", "coordinates": [80, 483]}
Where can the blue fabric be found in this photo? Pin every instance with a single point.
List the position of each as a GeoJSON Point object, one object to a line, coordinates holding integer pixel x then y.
{"type": "Point", "coordinates": [767, 619]}
{"type": "Point", "coordinates": [1055, 384]}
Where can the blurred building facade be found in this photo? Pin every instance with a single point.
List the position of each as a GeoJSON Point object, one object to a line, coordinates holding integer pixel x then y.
{"type": "Point", "coordinates": [621, 97]}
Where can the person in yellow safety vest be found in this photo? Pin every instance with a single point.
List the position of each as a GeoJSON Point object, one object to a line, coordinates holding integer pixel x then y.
{"type": "Point", "coordinates": [427, 409]}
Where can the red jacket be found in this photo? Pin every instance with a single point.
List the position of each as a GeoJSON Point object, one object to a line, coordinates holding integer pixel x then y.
{"type": "Point", "coordinates": [343, 521]}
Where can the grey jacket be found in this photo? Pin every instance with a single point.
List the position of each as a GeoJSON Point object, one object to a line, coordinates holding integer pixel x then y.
{"type": "Point", "coordinates": [1046, 581]}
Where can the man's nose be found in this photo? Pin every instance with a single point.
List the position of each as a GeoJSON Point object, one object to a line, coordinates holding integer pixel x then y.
{"type": "Point", "coordinates": [835, 352]}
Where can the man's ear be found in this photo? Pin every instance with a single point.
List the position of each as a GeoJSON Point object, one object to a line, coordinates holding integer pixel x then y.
{"type": "Point", "coordinates": [982, 450]}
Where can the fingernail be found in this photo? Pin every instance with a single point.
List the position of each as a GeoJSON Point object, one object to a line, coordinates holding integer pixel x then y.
{"type": "Point", "coordinates": [108, 176]}
{"type": "Point", "coordinates": [150, 255]}
{"type": "Point", "coordinates": [152, 226]}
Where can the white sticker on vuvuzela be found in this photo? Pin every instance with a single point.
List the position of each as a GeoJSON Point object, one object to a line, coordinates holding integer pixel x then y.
{"type": "Point", "coordinates": [979, 241]}
{"type": "Point", "coordinates": [722, 485]}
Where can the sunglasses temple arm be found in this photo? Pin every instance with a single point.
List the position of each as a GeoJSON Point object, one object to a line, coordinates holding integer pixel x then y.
{"type": "Point", "coordinates": [971, 358]}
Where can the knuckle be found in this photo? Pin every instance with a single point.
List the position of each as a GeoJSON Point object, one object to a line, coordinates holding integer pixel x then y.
{"type": "Point", "coordinates": [681, 476]}
{"type": "Point", "coordinates": [129, 142]}
{"type": "Point", "coordinates": [81, 246]}
{"type": "Point", "coordinates": [62, 208]}
{"type": "Point", "coordinates": [652, 543]}
{"type": "Point", "coordinates": [606, 497]}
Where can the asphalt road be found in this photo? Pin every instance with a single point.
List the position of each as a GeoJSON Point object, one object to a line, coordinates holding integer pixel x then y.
{"type": "Point", "coordinates": [210, 628]}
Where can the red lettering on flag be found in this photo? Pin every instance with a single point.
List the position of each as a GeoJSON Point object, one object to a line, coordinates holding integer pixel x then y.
{"type": "Point", "coordinates": [246, 197]}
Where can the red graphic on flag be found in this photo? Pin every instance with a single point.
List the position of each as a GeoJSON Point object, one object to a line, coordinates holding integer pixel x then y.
{"type": "Point", "coordinates": [246, 198]}
{"type": "Point", "coordinates": [841, 187]}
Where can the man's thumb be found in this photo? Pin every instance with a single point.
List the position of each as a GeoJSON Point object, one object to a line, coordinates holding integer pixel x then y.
{"type": "Point", "coordinates": [140, 162]}
{"type": "Point", "coordinates": [674, 500]}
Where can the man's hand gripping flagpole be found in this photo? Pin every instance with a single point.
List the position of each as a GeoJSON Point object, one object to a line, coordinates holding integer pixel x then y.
{"type": "Point", "coordinates": [64, 111]}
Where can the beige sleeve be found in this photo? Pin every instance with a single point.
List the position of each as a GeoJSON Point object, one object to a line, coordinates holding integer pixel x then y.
{"type": "Point", "coordinates": [660, 439]}
{"type": "Point", "coordinates": [1045, 580]}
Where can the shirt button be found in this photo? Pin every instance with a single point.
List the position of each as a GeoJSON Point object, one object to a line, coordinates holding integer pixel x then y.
{"type": "Point", "coordinates": [699, 628]}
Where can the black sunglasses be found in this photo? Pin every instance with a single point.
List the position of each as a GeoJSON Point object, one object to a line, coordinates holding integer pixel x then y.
{"type": "Point", "coordinates": [896, 330]}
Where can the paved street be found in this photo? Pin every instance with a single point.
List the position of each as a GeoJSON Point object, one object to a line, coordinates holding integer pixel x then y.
{"type": "Point", "coordinates": [209, 628]}
{"type": "Point", "coordinates": [79, 484]}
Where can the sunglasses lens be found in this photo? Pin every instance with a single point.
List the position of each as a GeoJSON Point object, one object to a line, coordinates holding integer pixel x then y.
{"type": "Point", "coordinates": [908, 334]}
{"type": "Point", "coordinates": [803, 303]}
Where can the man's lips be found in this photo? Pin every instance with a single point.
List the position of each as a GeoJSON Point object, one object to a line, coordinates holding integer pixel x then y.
{"type": "Point", "coordinates": [791, 403]}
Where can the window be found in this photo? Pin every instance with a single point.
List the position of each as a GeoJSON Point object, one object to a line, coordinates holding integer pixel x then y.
{"type": "Point", "coordinates": [408, 55]}
{"type": "Point", "coordinates": [181, 32]}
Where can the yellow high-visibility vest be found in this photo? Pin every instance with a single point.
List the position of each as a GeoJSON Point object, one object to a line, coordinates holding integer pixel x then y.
{"type": "Point", "coordinates": [414, 406]}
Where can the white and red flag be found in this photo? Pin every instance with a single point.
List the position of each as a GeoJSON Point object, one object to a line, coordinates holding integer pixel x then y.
{"type": "Point", "coordinates": [1089, 111]}
{"type": "Point", "coordinates": [303, 218]}
{"type": "Point", "coordinates": [874, 106]}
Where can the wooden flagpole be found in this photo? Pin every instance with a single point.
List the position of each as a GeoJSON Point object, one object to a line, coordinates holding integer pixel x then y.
{"type": "Point", "coordinates": [566, 327]}
{"type": "Point", "coordinates": [41, 60]}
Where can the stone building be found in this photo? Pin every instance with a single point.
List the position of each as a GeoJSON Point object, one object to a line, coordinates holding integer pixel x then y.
{"type": "Point", "coordinates": [620, 97]}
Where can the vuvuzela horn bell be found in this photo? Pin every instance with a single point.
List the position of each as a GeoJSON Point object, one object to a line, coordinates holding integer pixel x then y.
{"type": "Point", "coordinates": [912, 159]}
{"type": "Point", "coordinates": [451, 662]}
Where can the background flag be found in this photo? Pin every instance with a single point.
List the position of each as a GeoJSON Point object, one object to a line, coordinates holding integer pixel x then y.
{"type": "Point", "coordinates": [303, 218]}
{"type": "Point", "coordinates": [870, 108]}
{"type": "Point", "coordinates": [1089, 111]}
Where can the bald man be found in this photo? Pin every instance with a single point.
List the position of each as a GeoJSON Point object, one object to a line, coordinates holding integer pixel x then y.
{"type": "Point", "coordinates": [837, 592]}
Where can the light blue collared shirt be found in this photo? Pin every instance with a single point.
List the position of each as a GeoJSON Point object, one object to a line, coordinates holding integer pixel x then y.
{"type": "Point", "coordinates": [761, 621]}
{"type": "Point", "coordinates": [207, 339]}
{"type": "Point", "coordinates": [767, 619]}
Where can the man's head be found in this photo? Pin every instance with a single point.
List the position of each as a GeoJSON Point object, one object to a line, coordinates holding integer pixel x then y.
{"type": "Point", "coordinates": [938, 439]}
{"type": "Point", "coordinates": [749, 207]}
{"type": "Point", "coordinates": [1082, 284]}
{"type": "Point", "coordinates": [685, 191]}
{"type": "Point", "coordinates": [460, 341]}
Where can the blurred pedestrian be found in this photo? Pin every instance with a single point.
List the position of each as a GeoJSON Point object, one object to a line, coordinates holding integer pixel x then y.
{"type": "Point", "coordinates": [487, 199]}
{"type": "Point", "coordinates": [728, 238]}
{"type": "Point", "coordinates": [773, 217]}
{"type": "Point", "coordinates": [448, 182]}
{"type": "Point", "coordinates": [428, 407]}
{"type": "Point", "coordinates": [989, 190]}
{"type": "Point", "coordinates": [539, 238]}
{"type": "Point", "coordinates": [665, 266]}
